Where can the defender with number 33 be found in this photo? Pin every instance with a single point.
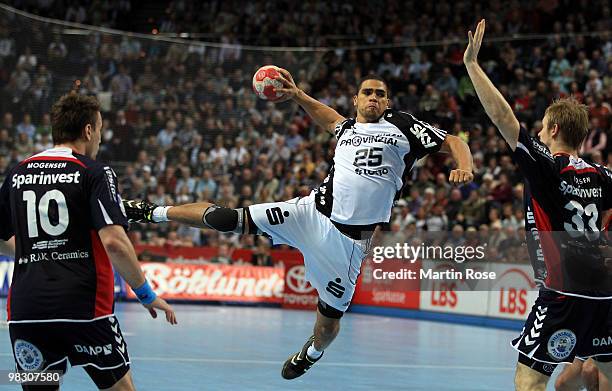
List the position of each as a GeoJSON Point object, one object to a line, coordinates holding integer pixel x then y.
{"type": "Point", "coordinates": [565, 200]}
{"type": "Point", "coordinates": [332, 226]}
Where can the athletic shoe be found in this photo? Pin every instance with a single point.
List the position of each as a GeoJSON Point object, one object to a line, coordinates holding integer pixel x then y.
{"type": "Point", "coordinates": [299, 363]}
{"type": "Point", "coordinates": [139, 211]}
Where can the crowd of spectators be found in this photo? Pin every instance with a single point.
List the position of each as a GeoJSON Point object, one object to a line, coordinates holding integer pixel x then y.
{"type": "Point", "coordinates": [181, 123]}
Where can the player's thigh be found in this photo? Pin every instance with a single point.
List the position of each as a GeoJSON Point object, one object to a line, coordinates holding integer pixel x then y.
{"type": "Point", "coordinates": [528, 379]}
{"type": "Point", "coordinates": [570, 379]}
{"type": "Point", "coordinates": [332, 268]}
{"type": "Point", "coordinates": [99, 347]}
{"type": "Point", "coordinates": [286, 222]}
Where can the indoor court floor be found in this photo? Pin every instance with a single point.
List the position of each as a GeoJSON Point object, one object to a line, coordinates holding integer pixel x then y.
{"type": "Point", "coordinates": [226, 348]}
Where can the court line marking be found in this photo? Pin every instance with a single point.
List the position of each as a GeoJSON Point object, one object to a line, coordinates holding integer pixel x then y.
{"type": "Point", "coordinates": [330, 364]}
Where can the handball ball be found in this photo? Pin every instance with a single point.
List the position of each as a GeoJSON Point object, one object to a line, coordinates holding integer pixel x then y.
{"type": "Point", "coordinates": [264, 82]}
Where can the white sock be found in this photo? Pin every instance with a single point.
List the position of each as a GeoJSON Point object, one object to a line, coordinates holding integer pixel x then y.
{"type": "Point", "coordinates": [313, 353]}
{"type": "Point", "coordinates": [160, 214]}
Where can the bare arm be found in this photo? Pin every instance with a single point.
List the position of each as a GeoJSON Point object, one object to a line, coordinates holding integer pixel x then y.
{"type": "Point", "coordinates": [123, 257]}
{"type": "Point", "coordinates": [8, 247]}
{"type": "Point", "coordinates": [460, 152]}
{"type": "Point", "coordinates": [323, 115]}
{"type": "Point", "coordinates": [492, 100]}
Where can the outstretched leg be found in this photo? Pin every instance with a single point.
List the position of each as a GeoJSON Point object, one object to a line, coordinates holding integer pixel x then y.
{"type": "Point", "coordinates": [199, 214]}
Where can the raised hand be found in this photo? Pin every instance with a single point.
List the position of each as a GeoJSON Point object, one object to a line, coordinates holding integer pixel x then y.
{"type": "Point", "coordinates": [474, 42]}
{"type": "Point", "coordinates": [290, 89]}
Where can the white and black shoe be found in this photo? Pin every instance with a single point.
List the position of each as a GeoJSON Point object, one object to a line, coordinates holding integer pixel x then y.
{"type": "Point", "coordinates": [139, 211]}
{"type": "Point", "coordinates": [299, 363]}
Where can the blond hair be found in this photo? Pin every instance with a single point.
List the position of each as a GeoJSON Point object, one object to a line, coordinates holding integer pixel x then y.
{"type": "Point", "coordinates": [572, 117]}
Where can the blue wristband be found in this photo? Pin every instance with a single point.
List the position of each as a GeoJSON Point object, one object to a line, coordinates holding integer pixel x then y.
{"type": "Point", "coordinates": [145, 294]}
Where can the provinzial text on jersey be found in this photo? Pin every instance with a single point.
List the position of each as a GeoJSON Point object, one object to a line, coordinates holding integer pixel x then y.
{"type": "Point", "coordinates": [358, 140]}
{"type": "Point", "coordinates": [566, 188]}
{"type": "Point", "coordinates": [45, 179]}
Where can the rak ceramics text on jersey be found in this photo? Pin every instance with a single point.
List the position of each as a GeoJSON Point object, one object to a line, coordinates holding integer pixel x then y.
{"type": "Point", "coordinates": [370, 164]}
{"type": "Point", "coordinates": [54, 203]}
{"type": "Point", "coordinates": [565, 199]}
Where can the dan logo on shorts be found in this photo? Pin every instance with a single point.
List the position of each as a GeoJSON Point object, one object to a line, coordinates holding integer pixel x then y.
{"type": "Point", "coordinates": [28, 356]}
{"type": "Point", "coordinates": [561, 344]}
{"type": "Point", "coordinates": [276, 215]}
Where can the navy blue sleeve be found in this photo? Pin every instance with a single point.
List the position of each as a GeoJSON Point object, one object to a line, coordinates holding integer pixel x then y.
{"type": "Point", "coordinates": [6, 219]}
{"type": "Point", "coordinates": [104, 199]}
{"type": "Point", "coordinates": [534, 159]}
{"type": "Point", "coordinates": [424, 138]}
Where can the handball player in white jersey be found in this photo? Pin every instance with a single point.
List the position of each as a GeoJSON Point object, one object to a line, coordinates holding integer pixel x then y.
{"type": "Point", "coordinates": [332, 226]}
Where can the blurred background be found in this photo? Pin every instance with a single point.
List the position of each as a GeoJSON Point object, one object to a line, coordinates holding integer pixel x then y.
{"type": "Point", "coordinates": [181, 123]}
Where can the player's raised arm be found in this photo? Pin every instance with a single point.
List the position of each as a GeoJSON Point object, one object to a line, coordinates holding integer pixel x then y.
{"type": "Point", "coordinates": [460, 152]}
{"type": "Point", "coordinates": [492, 100]}
{"type": "Point", "coordinates": [323, 115]}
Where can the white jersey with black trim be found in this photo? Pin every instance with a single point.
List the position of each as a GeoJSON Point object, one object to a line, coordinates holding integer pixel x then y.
{"type": "Point", "coordinates": [370, 162]}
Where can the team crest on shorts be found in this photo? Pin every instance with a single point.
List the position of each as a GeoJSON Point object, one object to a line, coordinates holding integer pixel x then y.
{"type": "Point", "coordinates": [561, 344]}
{"type": "Point", "coordinates": [28, 356]}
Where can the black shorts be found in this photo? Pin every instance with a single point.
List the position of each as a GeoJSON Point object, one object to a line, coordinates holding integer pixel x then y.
{"type": "Point", "coordinates": [98, 346]}
{"type": "Point", "coordinates": [561, 328]}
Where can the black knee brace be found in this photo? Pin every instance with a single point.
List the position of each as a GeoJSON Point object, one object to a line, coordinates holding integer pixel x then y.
{"type": "Point", "coordinates": [229, 220]}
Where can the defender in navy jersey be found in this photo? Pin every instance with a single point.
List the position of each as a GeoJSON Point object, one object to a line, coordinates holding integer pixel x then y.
{"type": "Point", "coordinates": [565, 199]}
{"type": "Point", "coordinates": [65, 212]}
{"type": "Point", "coordinates": [333, 225]}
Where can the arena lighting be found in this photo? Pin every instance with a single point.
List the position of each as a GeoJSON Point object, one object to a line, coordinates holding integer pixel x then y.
{"type": "Point", "coordinates": [76, 31]}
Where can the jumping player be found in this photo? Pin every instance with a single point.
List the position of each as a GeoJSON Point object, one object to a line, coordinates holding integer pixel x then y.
{"type": "Point", "coordinates": [332, 226]}
{"type": "Point", "coordinates": [64, 223]}
{"type": "Point", "coordinates": [566, 196]}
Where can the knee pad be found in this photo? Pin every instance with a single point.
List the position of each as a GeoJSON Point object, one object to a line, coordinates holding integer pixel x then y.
{"type": "Point", "coordinates": [229, 220]}
{"type": "Point", "coordinates": [223, 219]}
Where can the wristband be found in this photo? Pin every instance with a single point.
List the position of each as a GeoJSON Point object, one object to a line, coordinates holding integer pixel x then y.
{"type": "Point", "coordinates": [145, 293]}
